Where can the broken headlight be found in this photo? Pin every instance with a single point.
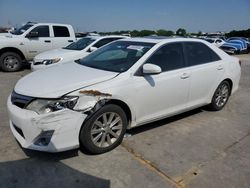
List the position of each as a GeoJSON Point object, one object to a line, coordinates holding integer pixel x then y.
{"type": "Point", "coordinates": [43, 106]}
{"type": "Point", "coordinates": [51, 61]}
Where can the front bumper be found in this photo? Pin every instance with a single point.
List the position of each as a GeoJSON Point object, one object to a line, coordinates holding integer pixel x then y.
{"type": "Point", "coordinates": [27, 127]}
{"type": "Point", "coordinates": [37, 67]}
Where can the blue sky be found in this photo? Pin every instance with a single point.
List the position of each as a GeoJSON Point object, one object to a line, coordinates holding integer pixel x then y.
{"type": "Point", "coordinates": [111, 15]}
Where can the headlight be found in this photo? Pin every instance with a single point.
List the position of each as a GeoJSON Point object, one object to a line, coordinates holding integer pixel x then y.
{"type": "Point", "coordinates": [43, 106]}
{"type": "Point", "coordinates": [51, 61]}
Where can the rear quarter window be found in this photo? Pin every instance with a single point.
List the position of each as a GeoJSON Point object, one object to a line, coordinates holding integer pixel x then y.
{"type": "Point", "coordinates": [61, 31]}
{"type": "Point", "coordinates": [198, 53]}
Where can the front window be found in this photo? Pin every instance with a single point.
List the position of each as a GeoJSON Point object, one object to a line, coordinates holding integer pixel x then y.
{"type": "Point", "coordinates": [80, 44]}
{"type": "Point", "coordinates": [42, 30]}
{"type": "Point", "coordinates": [117, 57]}
{"type": "Point", "coordinates": [22, 29]}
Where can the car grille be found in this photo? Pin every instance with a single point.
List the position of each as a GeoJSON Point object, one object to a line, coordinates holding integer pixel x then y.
{"type": "Point", "coordinates": [18, 130]}
{"type": "Point", "coordinates": [20, 100]}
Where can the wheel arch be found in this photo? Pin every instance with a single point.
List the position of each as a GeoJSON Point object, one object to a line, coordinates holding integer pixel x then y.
{"type": "Point", "coordinates": [230, 83]}
{"type": "Point", "coordinates": [12, 49]}
{"type": "Point", "coordinates": [124, 106]}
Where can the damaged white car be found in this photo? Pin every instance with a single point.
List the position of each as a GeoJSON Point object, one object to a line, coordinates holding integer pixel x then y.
{"type": "Point", "coordinates": [131, 82]}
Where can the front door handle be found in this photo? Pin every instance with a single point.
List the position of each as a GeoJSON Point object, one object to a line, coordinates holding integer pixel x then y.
{"type": "Point", "coordinates": [47, 41]}
{"type": "Point", "coordinates": [185, 75]}
{"type": "Point", "coordinates": [70, 40]}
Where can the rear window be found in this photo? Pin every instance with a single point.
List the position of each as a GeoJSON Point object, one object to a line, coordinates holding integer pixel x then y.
{"type": "Point", "coordinates": [61, 31]}
{"type": "Point", "coordinates": [198, 53]}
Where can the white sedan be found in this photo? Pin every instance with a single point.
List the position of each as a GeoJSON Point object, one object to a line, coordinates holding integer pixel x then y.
{"type": "Point", "coordinates": [74, 51]}
{"type": "Point", "coordinates": [215, 41]}
{"type": "Point", "coordinates": [127, 83]}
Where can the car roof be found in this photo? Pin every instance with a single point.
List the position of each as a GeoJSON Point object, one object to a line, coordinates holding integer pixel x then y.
{"type": "Point", "coordinates": [107, 36]}
{"type": "Point", "coordinates": [158, 40]}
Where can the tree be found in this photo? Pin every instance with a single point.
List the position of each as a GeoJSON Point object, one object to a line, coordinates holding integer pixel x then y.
{"type": "Point", "coordinates": [162, 32]}
{"type": "Point", "coordinates": [181, 32]}
{"type": "Point", "coordinates": [240, 33]}
{"type": "Point", "coordinates": [144, 33]}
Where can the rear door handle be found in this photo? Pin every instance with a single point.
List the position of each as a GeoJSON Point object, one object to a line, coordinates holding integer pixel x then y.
{"type": "Point", "coordinates": [185, 75]}
{"type": "Point", "coordinates": [47, 41]}
{"type": "Point", "coordinates": [220, 67]}
{"type": "Point", "coordinates": [70, 40]}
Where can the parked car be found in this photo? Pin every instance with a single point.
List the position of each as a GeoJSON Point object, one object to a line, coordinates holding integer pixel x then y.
{"type": "Point", "coordinates": [235, 46]}
{"type": "Point", "coordinates": [31, 39]}
{"type": "Point", "coordinates": [244, 39]}
{"type": "Point", "coordinates": [215, 41]}
{"type": "Point", "coordinates": [72, 52]}
{"type": "Point", "coordinates": [127, 83]}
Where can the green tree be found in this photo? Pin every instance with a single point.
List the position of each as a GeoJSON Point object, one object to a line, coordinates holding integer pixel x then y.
{"type": "Point", "coordinates": [181, 32]}
{"type": "Point", "coordinates": [144, 33]}
{"type": "Point", "coordinates": [162, 32]}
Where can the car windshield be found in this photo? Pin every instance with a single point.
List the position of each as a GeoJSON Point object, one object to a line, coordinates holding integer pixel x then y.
{"type": "Point", "coordinates": [80, 44]}
{"type": "Point", "coordinates": [118, 56]}
{"type": "Point", "coordinates": [210, 40]}
{"type": "Point", "coordinates": [22, 29]}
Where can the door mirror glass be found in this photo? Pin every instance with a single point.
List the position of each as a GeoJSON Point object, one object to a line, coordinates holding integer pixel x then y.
{"type": "Point", "coordinates": [92, 49]}
{"type": "Point", "coordinates": [32, 34]}
{"type": "Point", "coordinates": [151, 69]}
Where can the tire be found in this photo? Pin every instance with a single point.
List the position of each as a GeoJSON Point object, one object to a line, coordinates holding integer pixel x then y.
{"type": "Point", "coordinates": [10, 62]}
{"type": "Point", "coordinates": [96, 137]}
{"type": "Point", "coordinates": [221, 96]}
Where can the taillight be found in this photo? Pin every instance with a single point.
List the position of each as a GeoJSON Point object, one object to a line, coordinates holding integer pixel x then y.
{"type": "Point", "coordinates": [240, 62]}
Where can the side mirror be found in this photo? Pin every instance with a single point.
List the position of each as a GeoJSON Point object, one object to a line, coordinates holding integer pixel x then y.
{"type": "Point", "coordinates": [151, 69]}
{"type": "Point", "coordinates": [32, 35]}
{"type": "Point", "coordinates": [91, 49]}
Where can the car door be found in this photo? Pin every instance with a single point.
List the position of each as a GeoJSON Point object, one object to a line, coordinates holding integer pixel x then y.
{"type": "Point", "coordinates": [61, 37]}
{"type": "Point", "coordinates": [36, 45]}
{"type": "Point", "coordinates": [166, 93]}
{"type": "Point", "coordinates": [206, 70]}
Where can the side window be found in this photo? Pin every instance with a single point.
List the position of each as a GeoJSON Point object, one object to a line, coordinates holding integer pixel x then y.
{"type": "Point", "coordinates": [168, 57]}
{"type": "Point", "coordinates": [43, 30]}
{"type": "Point", "coordinates": [61, 31]}
{"type": "Point", "coordinates": [102, 42]}
{"type": "Point", "coordinates": [198, 53]}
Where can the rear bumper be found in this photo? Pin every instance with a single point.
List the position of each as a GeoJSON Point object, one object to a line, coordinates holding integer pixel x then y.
{"type": "Point", "coordinates": [28, 127]}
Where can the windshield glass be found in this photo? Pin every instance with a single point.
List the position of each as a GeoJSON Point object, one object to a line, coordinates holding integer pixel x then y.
{"type": "Point", "coordinates": [22, 29]}
{"type": "Point", "coordinates": [118, 56]}
{"type": "Point", "coordinates": [80, 44]}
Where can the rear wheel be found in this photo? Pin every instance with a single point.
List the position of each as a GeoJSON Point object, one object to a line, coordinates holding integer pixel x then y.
{"type": "Point", "coordinates": [10, 62]}
{"type": "Point", "coordinates": [104, 130]}
{"type": "Point", "coordinates": [221, 96]}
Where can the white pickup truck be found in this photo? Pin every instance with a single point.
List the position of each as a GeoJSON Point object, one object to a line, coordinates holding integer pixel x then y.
{"type": "Point", "coordinates": [31, 39]}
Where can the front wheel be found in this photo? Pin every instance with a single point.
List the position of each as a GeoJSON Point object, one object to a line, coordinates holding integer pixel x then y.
{"type": "Point", "coordinates": [10, 62]}
{"type": "Point", "coordinates": [221, 96]}
{"type": "Point", "coordinates": [104, 130]}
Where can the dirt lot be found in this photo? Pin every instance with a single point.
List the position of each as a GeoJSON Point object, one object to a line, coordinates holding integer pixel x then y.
{"type": "Point", "coordinates": [195, 149]}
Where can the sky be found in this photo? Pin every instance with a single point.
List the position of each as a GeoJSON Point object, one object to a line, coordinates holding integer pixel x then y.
{"type": "Point", "coordinates": [115, 15]}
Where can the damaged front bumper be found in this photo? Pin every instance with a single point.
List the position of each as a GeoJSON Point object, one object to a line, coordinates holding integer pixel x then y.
{"type": "Point", "coordinates": [51, 132]}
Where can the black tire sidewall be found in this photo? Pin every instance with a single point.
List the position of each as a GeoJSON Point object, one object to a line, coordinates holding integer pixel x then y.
{"type": "Point", "coordinates": [85, 136]}
{"type": "Point", "coordinates": [3, 56]}
{"type": "Point", "coordinates": [213, 105]}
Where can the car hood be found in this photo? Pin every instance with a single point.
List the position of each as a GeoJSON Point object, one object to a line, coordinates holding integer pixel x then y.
{"type": "Point", "coordinates": [59, 80]}
{"type": "Point", "coordinates": [9, 36]}
{"type": "Point", "coordinates": [60, 53]}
